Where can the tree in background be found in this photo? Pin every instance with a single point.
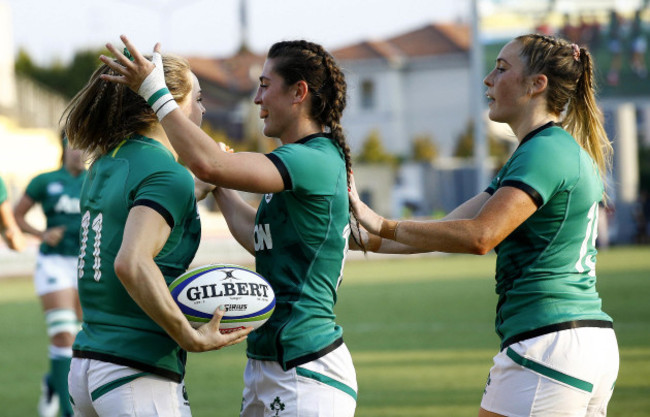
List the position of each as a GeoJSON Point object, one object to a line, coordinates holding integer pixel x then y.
{"type": "Point", "coordinates": [373, 151]}
{"type": "Point", "coordinates": [465, 145]}
{"type": "Point", "coordinates": [424, 148]}
{"type": "Point", "coordinates": [66, 80]}
{"type": "Point", "coordinates": [218, 135]}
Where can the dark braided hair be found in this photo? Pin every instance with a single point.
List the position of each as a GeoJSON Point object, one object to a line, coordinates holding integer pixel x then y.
{"type": "Point", "coordinates": [309, 62]}
{"type": "Point", "coordinates": [302, 60]}
{"type": "Point", "coordinates": [571, 86]}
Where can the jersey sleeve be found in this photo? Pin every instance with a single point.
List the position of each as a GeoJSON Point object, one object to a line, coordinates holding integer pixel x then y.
{"type": "Point", "coordinates": [37, 188]}
{"type": "Point", "coordinates": [311, 171]}
{"type": "Point", "coordinates": [494, 184]}
{"type": "Point", "coordinates": [168, 192]}
{"type": "Point", "coordinates": [541, 170]}
{"type": "Point", "coordinates": [3, 191]}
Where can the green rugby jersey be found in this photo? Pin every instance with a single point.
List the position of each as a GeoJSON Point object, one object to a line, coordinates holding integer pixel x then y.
{"type": "Point", "coordinates": [140, 171]}
{"type": "Point", "coordinates": [546, 268]}
{"type": "Point", "coordinates": [58, 193]}
{"type": "Point", "coordinates": [300, 246]}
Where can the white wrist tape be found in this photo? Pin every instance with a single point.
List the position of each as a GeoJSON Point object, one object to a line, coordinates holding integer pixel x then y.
{"type": "Point", "coordinates": [155, 91]}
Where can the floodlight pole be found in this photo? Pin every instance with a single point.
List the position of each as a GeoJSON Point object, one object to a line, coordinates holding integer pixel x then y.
{"type": "Point", "coordinates": [477, 99]}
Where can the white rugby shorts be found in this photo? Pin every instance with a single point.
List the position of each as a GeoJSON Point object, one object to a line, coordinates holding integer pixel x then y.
{"type": "Point", "coordinates": [104, 389]}
{"type": "Point", "coordinates": [569, 373]}
{"type": "Point", "coordinates": [55, 273]}
{"type": "Point", "coordinates": [325, 387]}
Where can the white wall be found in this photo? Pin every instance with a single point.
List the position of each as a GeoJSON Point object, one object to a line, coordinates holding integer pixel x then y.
{"type": "Point", "coordinates": [438, 101]}
{"type": "Point", "coordinates": [426, 96]}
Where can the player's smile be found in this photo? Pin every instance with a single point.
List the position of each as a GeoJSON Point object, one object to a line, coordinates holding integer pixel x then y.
{"type": "Point", "coordinates": [274, 98]}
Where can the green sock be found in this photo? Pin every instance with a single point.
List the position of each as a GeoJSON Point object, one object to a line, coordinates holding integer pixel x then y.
{"type": "Point", "coordinates": [59, 380]}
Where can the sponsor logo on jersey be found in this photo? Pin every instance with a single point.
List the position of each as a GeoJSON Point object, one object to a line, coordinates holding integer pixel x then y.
{"type": "Point", "coordinates": [262, 236]}
{"type": "Point", "coordinates": [67, 205]}
{"type": "Point", "coordinates": [54, 188]}
{"type": "Point", "coordinates": [268, 197]}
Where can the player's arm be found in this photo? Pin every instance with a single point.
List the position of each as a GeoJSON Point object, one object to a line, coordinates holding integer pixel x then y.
{"type": "Point", "coordinates": [374, 243]}
{"type": "Point", "coordinates": [499, 216]}
{"type": "Point", "coordinates": [362, 239]}
{"type": "Point", "coordinates": [243, 171]}
{"type": "Point", "coordinates": [9, 230]}
{"type": "Point", "coordinates": [202, 189]}
{"type": "Point", "coordinates": [469, 209]}
{"type": "Point", "coordinates": [239, 215]}
{"type": "Point", "coordinates": [51, 236]}
{"type": "Point", "coordinates": [145, 234]}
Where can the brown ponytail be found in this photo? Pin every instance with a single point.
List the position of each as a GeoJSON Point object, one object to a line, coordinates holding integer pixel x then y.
{"type": "Point", "coordinates": [571, 87]}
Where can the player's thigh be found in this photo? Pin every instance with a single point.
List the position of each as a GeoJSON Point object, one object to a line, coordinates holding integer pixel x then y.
{"type": "Point", "coordinates": [318, 399]}
{"type": "Point", "coordinates": [554, 374]}
{"type": "Point", "coordinates": [609, 365]}
{"type": "Point", "coordinates": [80, 399]}
{"type": "Point", "coordinates": [328, 386]}
{"type": "Point", "coordinates": [252, 405]}
{"type": "Point", "coordinates": [111, 390]}
{"type": "Point", "coordinates": [286, 393]}
{"type": "Point", "coordinates": [67, 298]}
{"type": "Point", "coordinates": [325, 387]}
{"type": "Point", "coordinates": [55, 273]}
{"type": "Point", "coordinates": [146, 396]}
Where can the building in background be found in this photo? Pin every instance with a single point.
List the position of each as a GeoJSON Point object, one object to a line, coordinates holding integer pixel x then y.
{"type": "Point", "coordinates": [227, 87]}
{"type": "Point", "coordinates": [29, 119]}
{"type": "Point", "coordinates": [413, 85]}
{"type": "Point", "coordinates": [409, 85]}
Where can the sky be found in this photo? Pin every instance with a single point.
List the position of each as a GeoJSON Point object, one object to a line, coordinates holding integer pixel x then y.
{"type": "Point", "coordinates": [54, 30]}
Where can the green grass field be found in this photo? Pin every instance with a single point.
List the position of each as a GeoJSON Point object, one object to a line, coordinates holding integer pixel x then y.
{"type": "Point", "coordinates": [420, 330]}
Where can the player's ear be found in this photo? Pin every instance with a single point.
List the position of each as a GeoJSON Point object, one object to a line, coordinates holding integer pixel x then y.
{"type": "Point", "coordinates": [300, 90]}
{"type": "Point", "coordinates": [539, 83]}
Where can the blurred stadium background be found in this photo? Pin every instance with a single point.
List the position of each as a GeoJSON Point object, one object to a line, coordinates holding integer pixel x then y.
{"type": "Point", "coordinates": [417, 127]}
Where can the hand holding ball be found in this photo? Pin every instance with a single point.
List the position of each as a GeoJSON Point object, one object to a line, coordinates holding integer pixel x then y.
{"type": "Point", "coordinates": [247, 298]}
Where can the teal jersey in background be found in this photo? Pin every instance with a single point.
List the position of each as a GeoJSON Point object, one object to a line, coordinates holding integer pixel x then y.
{"type": "Point", "coordinates": [3, 191]}
{"type": "Point", "coordinates": [58, 193]}
{"type": "Point", "coordinates": [140, 171]}
{"type": "Point", "coordinates": [546, 268]}
{"type": "Point", "coordinates": [300, 246]}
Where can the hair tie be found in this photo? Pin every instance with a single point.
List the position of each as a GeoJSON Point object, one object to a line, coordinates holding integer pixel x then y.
{"type": "Point", "coordinates": [576, 52]}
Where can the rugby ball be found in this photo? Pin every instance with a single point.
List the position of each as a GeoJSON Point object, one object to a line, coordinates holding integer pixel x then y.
{"type": "Point", "coordinates": [247, 298]}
